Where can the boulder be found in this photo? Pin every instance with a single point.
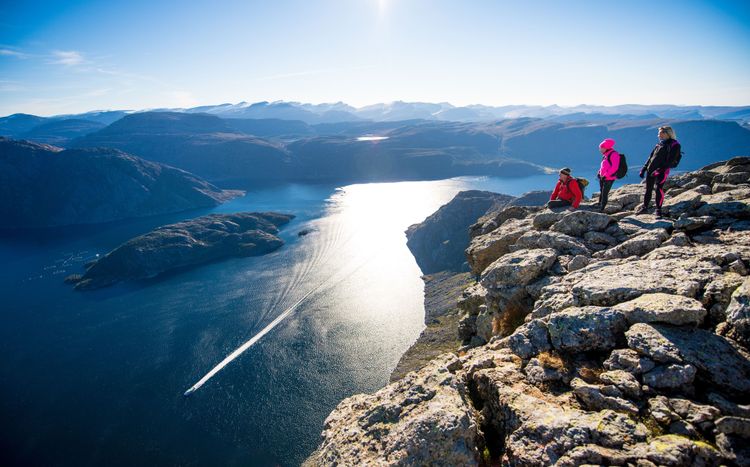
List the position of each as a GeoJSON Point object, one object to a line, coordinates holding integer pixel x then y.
{"type": "Point", "coordinates": [613, 282]}
{"type": "Point", "coordinates": [738, 315]}
{"type": "Point", "coordinates": [721, 363]}
{"type": "Point", "coordinates": [689, 224]}
{"type": "Point", "coordinates": [624, 381]}
{"type": "Point", "coordinates": [592, 397]}
{"type": "Point", "coordinates": [530, 339]}
{"type": "Point", "coordinates": [545, 219]}
{"type": "Point", "coordinates": [518, 268]}
{"type": "Point", "coordinates": [577, 223]}
{"type": "Point", "coordinates": [628, 360]}
{"type": "Point", "coordinates": [585, 329]}
{"type": "Point", "coordinates": [648, 341]}
{"type": "Point", "coordinates": [421, 419]}
{"type": "Point", "coordinates": [484, 249]}
{"type": "Point", "coordinates": [564, 244]}
{"type": "Point", "coordinates": [671, 376]}
{"type": "Point", "coordinates": [638, 245]}
{"type": "Point", "coordinates": [733, 203]}
{"type": "Point", "coordinates": [663, 308]}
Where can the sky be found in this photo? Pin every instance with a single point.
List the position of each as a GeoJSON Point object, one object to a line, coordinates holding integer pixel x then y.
{"type": "Point", "coordinates": [72, 56]}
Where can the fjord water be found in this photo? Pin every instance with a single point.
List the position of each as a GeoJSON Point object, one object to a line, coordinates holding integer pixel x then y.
{"type": "Point", "coordinates": [97, 378]}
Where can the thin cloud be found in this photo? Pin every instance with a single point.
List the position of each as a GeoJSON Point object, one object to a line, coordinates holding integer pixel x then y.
{"type": "Point", "coordinates": [67, 58]}
{"type": "Point", "coordinates": [12, 53]}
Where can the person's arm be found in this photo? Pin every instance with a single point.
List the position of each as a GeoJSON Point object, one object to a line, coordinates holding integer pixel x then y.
{"type": "Point", "coordinates": [576, 190]}
{"type": "Point", "coordinates": [556, 192]}
{"type": "Point", "coordinates": [649, 160]}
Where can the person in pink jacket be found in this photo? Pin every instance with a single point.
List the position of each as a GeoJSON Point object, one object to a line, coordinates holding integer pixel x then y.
{"type": "Point", "coordinates": [607, 171]}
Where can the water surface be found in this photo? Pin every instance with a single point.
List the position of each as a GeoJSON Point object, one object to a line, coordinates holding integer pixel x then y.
{"type": "Point", "coordinates": [97, 377]}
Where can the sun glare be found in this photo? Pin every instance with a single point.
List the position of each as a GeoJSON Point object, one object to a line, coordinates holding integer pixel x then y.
{"type": "Point", "coordinates": [382, 6]}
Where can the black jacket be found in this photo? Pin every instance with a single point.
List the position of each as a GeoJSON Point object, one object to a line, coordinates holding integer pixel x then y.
{"type": "Point", "coordinates": [662, 155]}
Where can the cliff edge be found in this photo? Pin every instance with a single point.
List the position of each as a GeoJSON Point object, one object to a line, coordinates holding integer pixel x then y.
{"type": "Point", "coordinates": [589, 338]}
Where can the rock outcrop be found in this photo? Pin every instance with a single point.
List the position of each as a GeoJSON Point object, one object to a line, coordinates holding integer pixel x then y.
{"type": "Point", "coordinates": [190, 243]}
{"type": "Point", "coordinates": [590, 338]}
{"type": "Point", "coordinates": [438, 242]}
{"type": "Point", "coordinates": [44, 186]}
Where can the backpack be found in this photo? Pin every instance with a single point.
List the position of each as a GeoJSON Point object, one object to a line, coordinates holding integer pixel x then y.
{"type": "Point", "coordinates": [582, 184]}
{"type": "Point", "coordinates": [622, 169]}
{"type": "Point", "coordinates": [674, 161]}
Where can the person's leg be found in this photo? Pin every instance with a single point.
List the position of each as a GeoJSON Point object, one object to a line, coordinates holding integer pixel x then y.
{"type": "Point", "coordinates": [661, 179]}
{"type": "Point", "coordinates": [606, 185]}
{"type": "Point", "coordinates": [558, 203]}
{"type": "Point", "coordinates": [650, 180]}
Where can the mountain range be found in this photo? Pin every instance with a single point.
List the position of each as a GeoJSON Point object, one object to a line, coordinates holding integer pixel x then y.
{"type": "Point", "coordinates": [45, 186]}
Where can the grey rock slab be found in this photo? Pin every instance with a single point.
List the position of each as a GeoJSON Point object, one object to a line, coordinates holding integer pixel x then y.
{"type": "Point", "coordinates": [671, 376]}
{"type": "Point", "coordinates": [648, 341]}
{"type": "Point", "coordinates": [738, 315]}
{"type": "Point", "coordinates": [585, 329]}
{"type": "Point", "coordinates": [593, 398]}
{"type": "Point", "coordinates": [628, 360]}
{"type": "Point", "coordinates": [577, 223]}
{"type": "Point", "coordinates": [663, 308]}
{"type": "Point", "coordinates": [485, 249]}
{"type": "Point", "coordinates": [638, 245]}
{"type": "Point", "coordinates": [624, 381]}
{"type": "Point", "coordinates": [518, 268]}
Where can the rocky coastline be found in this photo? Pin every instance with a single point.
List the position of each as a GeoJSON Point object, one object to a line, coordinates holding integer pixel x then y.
{"type": "Point", "coordinates": [589, 338]}
{"type": "Point", "coordinates": [185, 244]}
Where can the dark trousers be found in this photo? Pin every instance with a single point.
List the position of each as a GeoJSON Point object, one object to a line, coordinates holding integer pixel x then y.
{"type": "Point", "coordinates": [656, 181]}
{"type": "Point", "coordinates": [604, 187]}
{"type": "Point", "coordinates": [558, 203]}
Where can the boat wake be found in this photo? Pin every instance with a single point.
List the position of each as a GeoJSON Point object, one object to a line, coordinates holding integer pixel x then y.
{"type": "Point", "coordinates": [317, 261]}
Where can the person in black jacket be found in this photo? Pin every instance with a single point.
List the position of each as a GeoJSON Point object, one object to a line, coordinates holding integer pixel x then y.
{"type": "Point", "coordinates": [656, 168]}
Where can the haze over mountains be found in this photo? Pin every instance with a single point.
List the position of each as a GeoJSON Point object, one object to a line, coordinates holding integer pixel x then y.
{"type": "Point", "coordinates": [240, 144]}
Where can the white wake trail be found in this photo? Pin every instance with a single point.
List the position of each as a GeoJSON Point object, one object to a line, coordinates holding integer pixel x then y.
{"type": "Point", "coordinates": [249, 343]}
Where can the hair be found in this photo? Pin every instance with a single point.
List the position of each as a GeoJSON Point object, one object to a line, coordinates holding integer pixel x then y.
{"type": "Point", "coordinates": [669, 131]}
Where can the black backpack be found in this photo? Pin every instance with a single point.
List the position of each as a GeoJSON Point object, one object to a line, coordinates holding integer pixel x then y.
{"type": "Point", "coordinates": [622, 169]}
{"type": "Point", "coordinates": [674, 161]}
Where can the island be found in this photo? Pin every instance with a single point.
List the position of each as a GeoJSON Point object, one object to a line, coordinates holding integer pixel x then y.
{"type": "Point", "coordinates": [185, 244]}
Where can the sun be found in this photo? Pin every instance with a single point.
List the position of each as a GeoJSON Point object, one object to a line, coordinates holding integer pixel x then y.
{"type": "Point", "coordinates": [382, 6]}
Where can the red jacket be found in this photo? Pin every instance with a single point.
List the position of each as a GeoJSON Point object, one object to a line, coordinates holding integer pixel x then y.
{"type": "Point", "coordinates": [569, 191]}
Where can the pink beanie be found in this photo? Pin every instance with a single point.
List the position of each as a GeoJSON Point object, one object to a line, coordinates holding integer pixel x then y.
{"type": "Point", "coordinates": [607, 144]}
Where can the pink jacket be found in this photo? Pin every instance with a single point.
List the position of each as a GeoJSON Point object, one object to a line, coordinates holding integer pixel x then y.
{"type": "Point", "coordinates": [610, 163]}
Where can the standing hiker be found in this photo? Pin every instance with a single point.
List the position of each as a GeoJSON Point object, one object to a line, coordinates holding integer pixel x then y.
{"type": "Point", "coordinates": [665, 154]}
{"type": "Point", "coordinates": [567, 192]}
{"type": "Point", "coordinates": [608, 170]}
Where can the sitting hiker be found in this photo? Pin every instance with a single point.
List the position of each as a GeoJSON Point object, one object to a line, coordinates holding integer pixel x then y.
{"type": "Point", "coordinates": [567, 192]}
{"type": "Point", "coordinates": [607, 170]}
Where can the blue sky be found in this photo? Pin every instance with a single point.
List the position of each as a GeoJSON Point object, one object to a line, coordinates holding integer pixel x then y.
{"type": "Point", "coordinates": [74, 56]}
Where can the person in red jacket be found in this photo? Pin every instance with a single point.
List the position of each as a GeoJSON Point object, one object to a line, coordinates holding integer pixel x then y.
{"type": "Point", "coordinates": [567, 192]}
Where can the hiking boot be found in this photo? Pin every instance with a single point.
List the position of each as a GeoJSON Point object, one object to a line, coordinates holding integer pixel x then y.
{"type": "Point", "coordinates": [659, 214]}
{"type": "Point", "coordinates": [642, 210]}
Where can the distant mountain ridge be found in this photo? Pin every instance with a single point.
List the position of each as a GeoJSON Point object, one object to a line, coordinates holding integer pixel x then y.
{"type": "Point", "coordinates": [44, 186]}
{"type": "Point", "coordinates": [314, 114]}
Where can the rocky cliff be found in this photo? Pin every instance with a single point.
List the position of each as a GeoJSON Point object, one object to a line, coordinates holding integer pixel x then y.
{"type": "Point", "coordinates": [591, 338]}
{"type": "Point", "coordinates": [44, 186]}
{"type": "Point", "coordinates": [184, 244]}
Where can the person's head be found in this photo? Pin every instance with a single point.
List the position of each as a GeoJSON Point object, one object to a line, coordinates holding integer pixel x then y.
{"type": "Point", "coordinates": [666, 132]}
{"type": "Point", "coordinates": [564, 174]}
{"type": "Point", "coordinates": [606, 145]}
